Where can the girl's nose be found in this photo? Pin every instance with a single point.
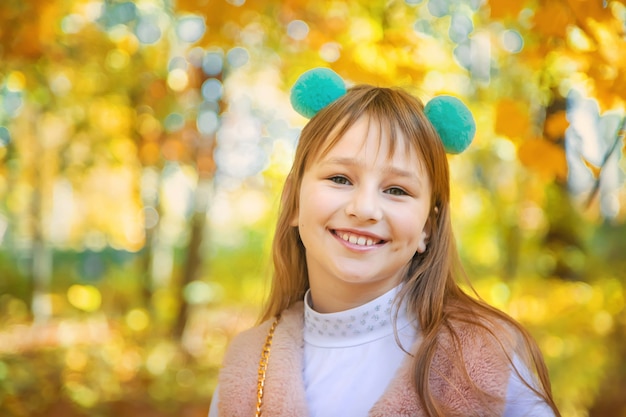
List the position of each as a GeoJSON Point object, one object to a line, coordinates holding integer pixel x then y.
{"type": "Point", "coordinates": [365, 204]}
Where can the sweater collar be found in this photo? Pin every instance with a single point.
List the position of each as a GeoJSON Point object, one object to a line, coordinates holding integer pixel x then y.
{"type": "Point", "coordinates": [359, 325]}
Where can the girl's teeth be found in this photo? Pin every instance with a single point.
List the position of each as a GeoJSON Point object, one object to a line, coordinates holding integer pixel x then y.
{"type": "Point", "coordinates": [361, 241]}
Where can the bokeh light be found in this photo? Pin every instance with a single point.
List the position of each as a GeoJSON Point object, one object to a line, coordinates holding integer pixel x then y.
{"type": "Point", "coordinates": [190, 28]}
{"type": "Point", "coordinates": [512, 41]}
{"type": "Point", "coordinates": [212, 63]}
{"type": "Point", "coordinates": [298, 30]}
{"type": "Point", "coordinates": [177, 79]}
{"type": "Point", "coordinates": [84, 297]}
{"type": "Point", "coordinates": [237, 57]}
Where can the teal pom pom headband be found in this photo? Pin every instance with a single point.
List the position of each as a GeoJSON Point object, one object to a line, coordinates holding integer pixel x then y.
{"type": "Point", "coordinates": [453, 121]}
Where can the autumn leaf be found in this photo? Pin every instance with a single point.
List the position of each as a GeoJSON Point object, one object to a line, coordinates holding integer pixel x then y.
{"type": "Point", "coordinates": [555, 125]}
{"type": "Point", "coordinates": [610, 92]}
{"type": "Point", "coordinates": [543, 157]}
{"type": "Point", "coordinates": [505, 8]}
{"type": "Point", "coordinates": [590, 10]}
{"type": "Point", "coordinates": [552, 19]}
{"type": "Point", "coordinates": [512, 119]}
{"type": "Point", "coordinates": [595, 170]}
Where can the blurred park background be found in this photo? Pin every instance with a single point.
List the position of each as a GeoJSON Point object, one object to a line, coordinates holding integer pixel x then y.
{"type": "Point", "coordinates": [143, 145]}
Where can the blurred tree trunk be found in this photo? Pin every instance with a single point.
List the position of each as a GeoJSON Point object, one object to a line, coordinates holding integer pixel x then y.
{"type": "Point", "coordinates": [611, 400]}
{"type": "Point", "coordinates": [41, 255]}
{"type": "Point", "coordinates": [205, 169]}
{"type": "Point", "coordinates": [41, 263]}
{"type": "Point", "coordinates": [193, 263]}
{"type": "Point", "coordinates": [609, 246]}
{"type": "Point", "coordinates": [150, 185]}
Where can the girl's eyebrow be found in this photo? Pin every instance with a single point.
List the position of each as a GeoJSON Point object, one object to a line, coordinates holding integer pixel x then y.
{"type": "Point", "coordinates": [390, 169]}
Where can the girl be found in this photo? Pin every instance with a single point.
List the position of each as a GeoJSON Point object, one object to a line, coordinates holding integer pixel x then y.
{"type": "Point", "coordinates": [365, 316]}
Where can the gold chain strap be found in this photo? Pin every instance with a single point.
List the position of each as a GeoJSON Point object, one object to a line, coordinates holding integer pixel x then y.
{"type": "Point", "coordinates": [265, 357]}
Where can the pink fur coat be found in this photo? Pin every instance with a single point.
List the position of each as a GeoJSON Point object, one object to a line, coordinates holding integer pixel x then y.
{"type": "Point", "coordinates": [284, 385]}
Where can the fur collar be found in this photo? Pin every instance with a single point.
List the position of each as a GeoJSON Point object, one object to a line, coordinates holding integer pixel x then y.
{"type": "Point", "coordinates": [284, 385]}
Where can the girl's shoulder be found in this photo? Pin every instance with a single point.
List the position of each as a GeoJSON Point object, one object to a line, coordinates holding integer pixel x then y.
{"type": "Point", "coordinates": [471, 356]}
{"type": "Point", "coordinates": [485, 346]}
{"type": "Point", "coordinates": [248, 342]}
{"type": "Point", "coordinates": [239, 374]}
{"type": "Point", "coordinates": [484, 329]}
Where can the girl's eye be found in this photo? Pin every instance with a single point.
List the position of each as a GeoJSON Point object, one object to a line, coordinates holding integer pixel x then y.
{"type": "Point", "coordinates": [396, 191]}
{"type": "Point", "coordinates": [338, 179]}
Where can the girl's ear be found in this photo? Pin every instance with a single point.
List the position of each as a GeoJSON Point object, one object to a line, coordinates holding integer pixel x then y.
{"type": "Point", "coordinates": [425, 234]}
{"type": "Point", "coordinates": [421, 245]}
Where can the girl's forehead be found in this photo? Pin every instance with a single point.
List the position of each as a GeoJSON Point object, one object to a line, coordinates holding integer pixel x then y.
{"type": "Point", "coordinates": [371, 134]}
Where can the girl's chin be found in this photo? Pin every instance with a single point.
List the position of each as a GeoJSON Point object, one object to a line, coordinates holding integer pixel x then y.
{"type": "Point", "coordinates": [367, 283]}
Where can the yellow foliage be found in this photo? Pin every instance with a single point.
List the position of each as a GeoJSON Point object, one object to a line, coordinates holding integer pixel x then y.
{"type": "Point", "coordinates": [372, 58]}
{"type": "Point", "coordinates": [365, 30]}
{"type": "Point", "coordinates": [84, 297]}
{"type": "Point", "coordinates": [111, 115]}
{"type": "Point", "coordinates": [611, 41]}
{"type": "Point", "coordinates": [543, 157]}
{"type": "Point", "coordinates": [579, 41]}
{"type": "Point", "coordinates": [609, 87]}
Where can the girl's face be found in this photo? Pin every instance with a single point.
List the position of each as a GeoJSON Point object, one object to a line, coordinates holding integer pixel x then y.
{"type": "Point", "coordinates": [362, 217]}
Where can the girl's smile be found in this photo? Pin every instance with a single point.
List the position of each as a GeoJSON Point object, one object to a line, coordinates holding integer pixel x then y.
{"type": "Point", "coordinates": [359, 239]}
{"type": "Point", "coordinates": [362, 216]}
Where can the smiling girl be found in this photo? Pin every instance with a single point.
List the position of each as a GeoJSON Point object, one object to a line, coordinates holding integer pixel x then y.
{"type": "Point", "coordinates": [365, 316]}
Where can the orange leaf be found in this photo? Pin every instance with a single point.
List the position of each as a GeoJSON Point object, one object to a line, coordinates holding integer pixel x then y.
{"type": "Point", "coordinates": [552, 19]}
{"type": "Point", "coordinates": [544, 158]}
{"type": "Point", "coordinates": [505, 8]}
{"type": "Point", "coordinates": [150, 153]}
{"type": "Point", "coordinates": [610, 92]}
{"type": "Point", "coordinates": [593, 10]}
{"type": "Point", "coordinates": [595, 170]}
{"type": "Point", "coordinates": [512, 119]}
{"type": "Point", "coordinates": [555, 125]}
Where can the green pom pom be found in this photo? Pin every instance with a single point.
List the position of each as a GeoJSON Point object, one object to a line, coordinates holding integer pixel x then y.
{"type": "Point", "coordinates": [453, 121]}
{"type": "Point", "coordinates": [316, 89]}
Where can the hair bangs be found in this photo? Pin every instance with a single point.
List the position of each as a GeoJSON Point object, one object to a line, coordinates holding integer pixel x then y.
{"type": "Point", "coordinates": [392, 112]}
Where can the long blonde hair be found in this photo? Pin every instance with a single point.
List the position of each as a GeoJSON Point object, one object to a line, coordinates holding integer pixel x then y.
{"type": "Point", "coordinates": [430, 289]}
